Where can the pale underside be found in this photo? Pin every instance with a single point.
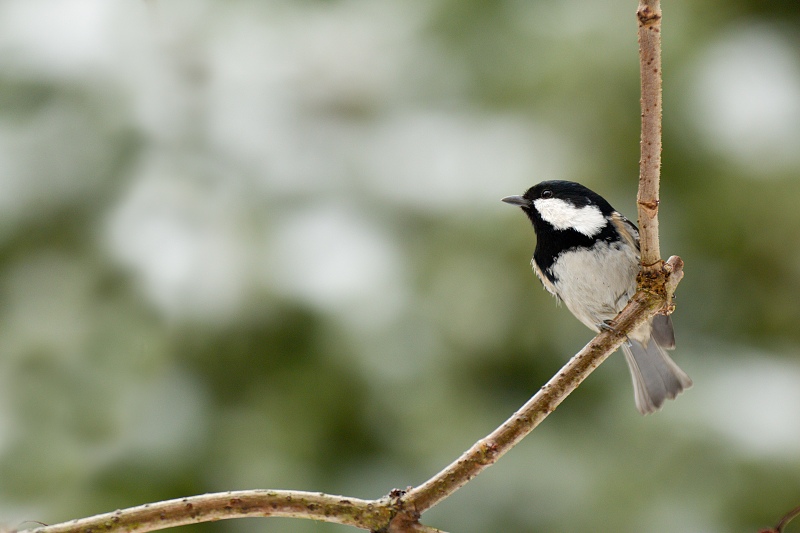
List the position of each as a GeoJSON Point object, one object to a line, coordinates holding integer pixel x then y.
{"type": "Point", "coordinates": [592, 281]}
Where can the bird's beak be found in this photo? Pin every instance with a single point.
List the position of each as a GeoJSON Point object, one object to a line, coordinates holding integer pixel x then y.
{"type": "Point", "coordinates": [517, 200]}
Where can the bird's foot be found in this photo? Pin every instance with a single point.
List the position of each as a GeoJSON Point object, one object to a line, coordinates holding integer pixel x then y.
{"type": "Point", "coordinates": [607, 325]}
{"type": "Point", "coordinates": [610, 325]}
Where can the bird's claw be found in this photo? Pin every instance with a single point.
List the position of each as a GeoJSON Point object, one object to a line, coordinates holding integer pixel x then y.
{"type": "Point", "coordinates": [607, 325]}
{"type": "Point", "coordinates": [610, 325]}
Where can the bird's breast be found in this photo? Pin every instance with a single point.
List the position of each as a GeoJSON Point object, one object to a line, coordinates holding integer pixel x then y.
{"type": "Point", "coordinates": [595, 284]}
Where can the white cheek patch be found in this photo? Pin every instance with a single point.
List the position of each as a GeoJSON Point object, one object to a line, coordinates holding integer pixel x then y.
{"type": "Point", "coordinates": [563, 215]}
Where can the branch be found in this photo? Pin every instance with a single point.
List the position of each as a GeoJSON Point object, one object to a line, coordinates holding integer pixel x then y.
{"type": "Point", "coordinates": [399, 512]}
{"type": "Point", "coordinates": [239, 504]}
{"type": "Point", "coordinates": [488, 450]}
{"type": "Point", "coordinates": [649, 15]}
{"type": "Point", "coordinates": [657, 282]}
{"type": "Point", "coordinates": [788, 517]}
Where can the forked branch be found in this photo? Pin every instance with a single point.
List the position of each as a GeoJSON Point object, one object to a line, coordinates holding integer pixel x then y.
{"type": "Point", "coordinates": [399, 511]}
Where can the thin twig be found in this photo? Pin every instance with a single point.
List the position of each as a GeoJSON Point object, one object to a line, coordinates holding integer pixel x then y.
{"type": "Point", "coordinates": [649, 15]}
{"type": "Point", "coordinates": [788, 517]}
{"type": "Point", "coordinates": [791, 515]}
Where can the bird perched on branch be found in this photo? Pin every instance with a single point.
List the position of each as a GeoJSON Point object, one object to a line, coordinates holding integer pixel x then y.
{"type": "Point", "coordinates": [587, 255]}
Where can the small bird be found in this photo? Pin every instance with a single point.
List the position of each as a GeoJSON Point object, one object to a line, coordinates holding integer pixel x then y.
{"type": "Point", "coordinates": [587, 255]}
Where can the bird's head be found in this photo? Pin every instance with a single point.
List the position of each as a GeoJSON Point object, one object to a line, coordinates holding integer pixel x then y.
{"type": "Point", "coordinates": [564, 205]}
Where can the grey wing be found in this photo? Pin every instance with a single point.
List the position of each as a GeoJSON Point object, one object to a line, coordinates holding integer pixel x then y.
{"type": "Point", "coordinates": [627, 229]}
{"type": "Point", "coordinates": [662, 330]}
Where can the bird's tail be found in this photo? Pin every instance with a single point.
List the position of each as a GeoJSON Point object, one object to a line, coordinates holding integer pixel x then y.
{"type": "Point", "coordinates": [656, 377]}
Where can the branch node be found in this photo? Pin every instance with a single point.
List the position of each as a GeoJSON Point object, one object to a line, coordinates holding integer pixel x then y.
{"type": "Point", "coordinates": [650, 205]}
{"type": "Point", "coordinates": [648, 16]}
{"type": "Point", "coordinates": [674, 270]}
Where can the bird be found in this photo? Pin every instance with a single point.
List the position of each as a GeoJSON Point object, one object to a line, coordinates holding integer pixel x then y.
{"type": "Point", "coordinates": [587, 256]}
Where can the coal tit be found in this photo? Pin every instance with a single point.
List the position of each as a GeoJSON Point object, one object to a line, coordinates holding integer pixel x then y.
{"type": "Point", "coordinates": [587, 255]}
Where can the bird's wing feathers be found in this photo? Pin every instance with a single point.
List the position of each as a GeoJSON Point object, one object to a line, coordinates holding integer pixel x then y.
{"type": "Point", "coordinates": [627, 230]}
{"type": "Point", "coordinates": [662, 329]}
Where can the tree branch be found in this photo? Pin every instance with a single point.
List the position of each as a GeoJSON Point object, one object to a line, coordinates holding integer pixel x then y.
{"type": "Point", "coordinates": [364, 514]}
{"type": "Point", "coordinates": [657, 283]}
{"type": "Point", "coordinates": [399, 512]}
{"type": "Point", "coordinates": [488, 450]}
{"type": "Point", "coordinates": [788, 517]}
{"type": "Point", "coordinates": [649, 15]}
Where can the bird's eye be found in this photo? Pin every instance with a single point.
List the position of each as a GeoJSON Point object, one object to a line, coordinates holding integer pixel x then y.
{"type": "Point", "coordinates": [547, 193]}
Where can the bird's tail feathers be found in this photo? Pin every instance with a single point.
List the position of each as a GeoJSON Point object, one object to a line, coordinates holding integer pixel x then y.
{"type": "Point", "coordinates": [656, 377]}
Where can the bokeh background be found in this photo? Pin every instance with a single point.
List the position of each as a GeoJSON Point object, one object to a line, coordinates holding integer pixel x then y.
{"type": "Point", "coordinates": [259, 244]}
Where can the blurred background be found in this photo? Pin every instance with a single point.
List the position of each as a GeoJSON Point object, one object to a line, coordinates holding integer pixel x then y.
{"type": "Point", "coordinates": [260, 244]}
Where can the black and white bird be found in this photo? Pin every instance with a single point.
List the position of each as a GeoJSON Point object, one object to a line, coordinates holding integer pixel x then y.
{"type": "Point", "coordinates": [587, 255]}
